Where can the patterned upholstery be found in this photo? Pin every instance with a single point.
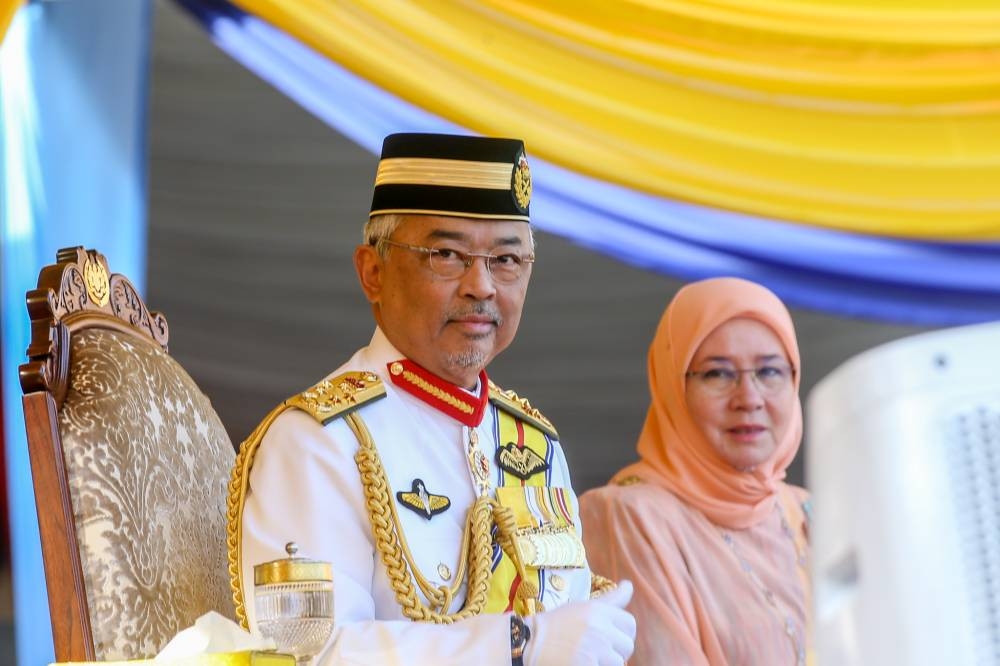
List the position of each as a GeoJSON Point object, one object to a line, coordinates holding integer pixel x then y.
{"type": "Point", "coordinates": [147, 461]}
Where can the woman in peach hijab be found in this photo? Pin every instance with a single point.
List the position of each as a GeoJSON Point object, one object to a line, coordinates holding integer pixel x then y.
{"type": "Point", "coordinates": [704, 525]}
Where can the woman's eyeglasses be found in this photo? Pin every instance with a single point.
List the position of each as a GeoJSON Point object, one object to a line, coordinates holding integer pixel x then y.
{"type": "Point", "coordinates": [771, 378]}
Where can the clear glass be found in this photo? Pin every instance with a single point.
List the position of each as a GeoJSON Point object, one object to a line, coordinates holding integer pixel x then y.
{"type": "Point", "coordinates": [297, 616]}
{"type": "Point", "coordinates": [771, 378]}
{"type": "Point", "coordinates": [451, 263]}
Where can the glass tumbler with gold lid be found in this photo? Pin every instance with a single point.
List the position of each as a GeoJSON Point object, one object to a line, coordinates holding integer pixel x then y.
{"type": "Point", "coordinates": [293, 599]}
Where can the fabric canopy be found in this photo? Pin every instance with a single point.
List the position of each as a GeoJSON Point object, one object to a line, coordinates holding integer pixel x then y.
{"type": "Point", "coordinates": [879, 118]}
{"type": "Point", "coordinates": [7, 10]}
{"type": "Point", "coordinates": [912, 281]}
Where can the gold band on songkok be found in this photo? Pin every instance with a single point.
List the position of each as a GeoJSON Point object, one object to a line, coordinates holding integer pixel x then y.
{"type": "Point", "coordinates": [450, 173]}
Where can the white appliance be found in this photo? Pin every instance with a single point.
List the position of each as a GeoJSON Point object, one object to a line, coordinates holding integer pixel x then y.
{"type": "Point", "coordinates": [903, 461]}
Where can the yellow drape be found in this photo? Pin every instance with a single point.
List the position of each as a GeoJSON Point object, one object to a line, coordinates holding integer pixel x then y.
{"type": "Point", "coordinates": [7, 10]}
{"type": "Point", "coordinates": [857, 115]}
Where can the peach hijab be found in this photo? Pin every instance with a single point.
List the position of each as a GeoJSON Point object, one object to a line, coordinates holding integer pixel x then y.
{"type": "Point", "coordinates": [672, 451]}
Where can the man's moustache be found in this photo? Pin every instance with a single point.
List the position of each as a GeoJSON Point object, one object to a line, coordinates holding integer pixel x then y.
{"type": "Point", "coordinates": [479, 310]}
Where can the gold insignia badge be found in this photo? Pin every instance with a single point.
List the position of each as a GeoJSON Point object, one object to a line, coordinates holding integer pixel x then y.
{"type": "Point", "coordinates": [521, 186]}
{"type": "Point", "coordinates": [95, 276]}
{"type": "Point", "coordinates": [422, 502]}
{"type": "Point", "coordinates": [521, 462]}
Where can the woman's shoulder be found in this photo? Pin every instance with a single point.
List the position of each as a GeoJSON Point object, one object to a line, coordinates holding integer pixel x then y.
{"type": "Point", "coordinates": [802, 504]}
{"type": "Point", "coordinates": [645, 519]}
{"type": "Point", "coordinates": [633, 498]}
{"type": "Point", "coordinates": [799, 494]}
{"type": "Point", "coordinates": [626, 492]}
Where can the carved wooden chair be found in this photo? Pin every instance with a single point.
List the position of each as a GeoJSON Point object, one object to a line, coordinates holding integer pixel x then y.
{"type": "Point", "coordinates": [130, 465]}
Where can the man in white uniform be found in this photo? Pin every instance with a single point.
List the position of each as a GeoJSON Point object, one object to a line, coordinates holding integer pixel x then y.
{"type": "Point", "coordinates": [443, 502]}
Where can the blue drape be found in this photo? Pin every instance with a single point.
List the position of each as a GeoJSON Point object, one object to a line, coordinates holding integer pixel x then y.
{"type": "Point", "coordinates": [73, 88]}
{"type": "Point", "coordinates": [847, 274]}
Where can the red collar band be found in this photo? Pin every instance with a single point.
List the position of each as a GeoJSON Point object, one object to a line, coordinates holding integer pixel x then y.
{"type": "Point", "coordinates": [440, 394]}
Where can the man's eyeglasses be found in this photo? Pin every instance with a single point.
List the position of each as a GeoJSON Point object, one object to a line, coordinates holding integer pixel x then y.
{"type": "Point", "coordinates": [450, 263]}
{"type": "Point", "coordinates": [770, 378]}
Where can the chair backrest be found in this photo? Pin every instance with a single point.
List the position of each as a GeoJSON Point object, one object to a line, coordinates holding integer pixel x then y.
{"type": "Point", "coordinates": [130, 466]}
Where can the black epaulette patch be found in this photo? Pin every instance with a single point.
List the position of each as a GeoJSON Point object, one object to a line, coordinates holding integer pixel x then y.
{"type": "Point", "coordinates": [338, 396]}
{"type": "Point", "coordinates": [510, 402]}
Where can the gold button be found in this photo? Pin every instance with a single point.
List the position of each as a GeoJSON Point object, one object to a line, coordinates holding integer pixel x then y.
{"type": "Point", "coordinates": [444, 571]}
{"type": "Point", "coordinates": [473, 437]}
{"type": "Point", "coordinates": [558, 582]}
{"type": "Point", "coordinates": [396, 368]}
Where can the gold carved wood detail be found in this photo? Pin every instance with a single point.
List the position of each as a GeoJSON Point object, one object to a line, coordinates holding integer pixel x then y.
{"type": "Point", "coordinates": [76, 292]}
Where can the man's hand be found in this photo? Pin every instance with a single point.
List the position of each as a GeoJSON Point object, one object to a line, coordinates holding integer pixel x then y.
{"type": "Point", "coordinates": [598, 632]}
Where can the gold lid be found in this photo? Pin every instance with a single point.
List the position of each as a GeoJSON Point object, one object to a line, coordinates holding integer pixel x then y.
{"type": "Point", "coordinates": [291, 569]}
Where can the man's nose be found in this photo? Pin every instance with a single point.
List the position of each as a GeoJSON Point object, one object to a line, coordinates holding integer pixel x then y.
{"type": "Point", "coordinates": [478, 281]}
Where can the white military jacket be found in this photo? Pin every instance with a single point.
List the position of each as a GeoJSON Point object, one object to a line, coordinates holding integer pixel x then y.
{"type": "Point", "coordinates": [305, 487]}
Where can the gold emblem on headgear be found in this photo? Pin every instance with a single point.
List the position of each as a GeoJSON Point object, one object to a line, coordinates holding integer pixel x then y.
{"type": "Point", "coordinates": [522, 183]}
{"type": "Point", "coordinates": [95, 277]}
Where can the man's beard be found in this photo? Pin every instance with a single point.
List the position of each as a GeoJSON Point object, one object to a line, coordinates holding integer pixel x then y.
{"type": "Point", "coordinates": [469, 358]}
{"type": "Point", "coordinates": [472, 357]}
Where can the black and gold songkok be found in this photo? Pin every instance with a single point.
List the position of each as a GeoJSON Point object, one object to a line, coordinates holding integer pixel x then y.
{"type": "Point", "coordinates": [458, 176]}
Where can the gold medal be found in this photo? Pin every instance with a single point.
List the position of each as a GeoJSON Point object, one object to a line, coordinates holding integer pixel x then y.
{"type": "Point", "coordinates": [479, 464]}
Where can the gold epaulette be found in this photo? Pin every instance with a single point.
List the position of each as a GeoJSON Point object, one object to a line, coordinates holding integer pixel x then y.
{"type": "Point", "coordinates": [341, 395]}
{"type": "Point", "coordinates": [519, 407]}
{"type": "Point", "coordinates": [329, 399]}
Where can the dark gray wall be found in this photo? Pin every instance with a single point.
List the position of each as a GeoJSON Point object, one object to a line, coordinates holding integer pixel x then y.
{"type": "Point", "coordinates": [255, 208]}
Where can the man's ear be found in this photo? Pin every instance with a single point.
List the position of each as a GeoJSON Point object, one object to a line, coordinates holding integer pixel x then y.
{"type": "Point", "coordinates": [371, 271]}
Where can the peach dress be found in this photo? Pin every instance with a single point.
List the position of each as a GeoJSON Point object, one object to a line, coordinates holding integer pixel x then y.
{"type": "Point", "coordinates": [717, 556]}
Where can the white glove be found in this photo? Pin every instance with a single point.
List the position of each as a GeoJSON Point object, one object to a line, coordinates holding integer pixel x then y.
{"type": "Point", "coordinates": [598, 632]}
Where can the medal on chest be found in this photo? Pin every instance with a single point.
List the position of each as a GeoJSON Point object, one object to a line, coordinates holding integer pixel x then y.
{"type": "Point", "coordinates": [479, 464]}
